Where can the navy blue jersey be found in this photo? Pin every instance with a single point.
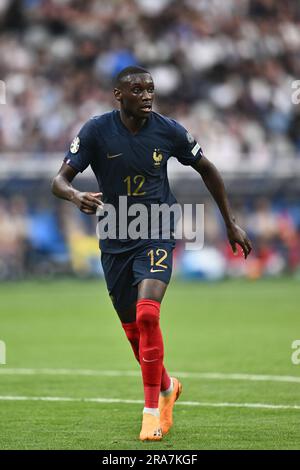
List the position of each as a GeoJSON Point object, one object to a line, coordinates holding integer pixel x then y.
{"type": "Point", "coordinates": [131, 165]}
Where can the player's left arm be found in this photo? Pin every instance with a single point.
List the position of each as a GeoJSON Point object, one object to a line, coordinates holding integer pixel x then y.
{"type": "Point", "coordinates": [214, 183]}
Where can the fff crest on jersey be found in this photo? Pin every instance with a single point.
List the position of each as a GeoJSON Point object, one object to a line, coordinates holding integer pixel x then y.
{"type": "Point", "coordinates": [157, 157]}
{"type": "Point", "coordinates": [75, 145]}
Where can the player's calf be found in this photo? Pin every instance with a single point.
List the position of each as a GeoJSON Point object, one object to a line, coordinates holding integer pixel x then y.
{"type": "Point", "coordinates": [151, 350]}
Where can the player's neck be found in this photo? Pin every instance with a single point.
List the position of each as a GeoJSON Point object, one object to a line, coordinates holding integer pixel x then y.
{"type": "Point", "coordinates": [132, 123]}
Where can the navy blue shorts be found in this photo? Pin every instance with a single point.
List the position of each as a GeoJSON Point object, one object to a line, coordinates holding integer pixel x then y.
{"type": "Point", "coordinates": [123, 271]}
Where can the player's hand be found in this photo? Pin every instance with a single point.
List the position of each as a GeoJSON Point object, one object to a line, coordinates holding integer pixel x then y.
{"type": "Point", "coordinates": [88, 202]}
{"type": "Point", "coordinates": [237, 236]}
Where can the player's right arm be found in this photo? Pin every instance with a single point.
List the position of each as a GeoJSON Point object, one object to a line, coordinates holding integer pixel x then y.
{"type": "Point", "coordinates": [78, 158]}
{"type": "Point", "coordinates": [87, 202]}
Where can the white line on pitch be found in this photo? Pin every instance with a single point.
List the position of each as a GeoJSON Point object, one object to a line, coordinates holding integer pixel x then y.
{"type": "Point", "coordinates": [132, 373]}
{"type": "Point", "coordinates": [140, 402]}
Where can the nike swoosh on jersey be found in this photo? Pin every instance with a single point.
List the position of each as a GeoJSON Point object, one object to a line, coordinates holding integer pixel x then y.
{"type": "Point", "coordinates": [156, 270]}
{"type": "Point", "coordinates": [114, 156]}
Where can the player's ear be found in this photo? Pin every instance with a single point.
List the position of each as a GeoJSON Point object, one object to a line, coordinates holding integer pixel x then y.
{"type": "Point", "coordinates": [118, 94]}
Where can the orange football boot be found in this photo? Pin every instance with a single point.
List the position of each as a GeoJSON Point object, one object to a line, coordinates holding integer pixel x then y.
{"type": "Point", "coordinates": [166, 405]}
{"type": "Point", "coordinates": [151, 428]}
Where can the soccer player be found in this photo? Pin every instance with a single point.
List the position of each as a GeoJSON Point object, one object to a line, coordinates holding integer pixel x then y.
{"type": "Point", "coordinates": [128, 150]}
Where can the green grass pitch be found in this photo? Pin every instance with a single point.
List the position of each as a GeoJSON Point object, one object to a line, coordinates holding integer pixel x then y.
{"type": "Point", "coordinates": [231, 327]}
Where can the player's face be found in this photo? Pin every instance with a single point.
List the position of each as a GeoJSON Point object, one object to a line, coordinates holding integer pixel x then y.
{"type": "Point", "coordinates": [136, 95]}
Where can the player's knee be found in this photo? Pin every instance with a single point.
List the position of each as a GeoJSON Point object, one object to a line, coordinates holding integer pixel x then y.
{"type": "Point", "coordinates": [147, 314]}
{"type": "Point", "coordinates": [132, 332]}
{"type": "Point", "coordinates": [147, 320]}
{"type": "Point", "coordinates": [133, 335]}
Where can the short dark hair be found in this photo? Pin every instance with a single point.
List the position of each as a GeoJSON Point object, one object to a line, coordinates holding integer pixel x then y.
{"type": "Point", "coordinates": [131, 70]}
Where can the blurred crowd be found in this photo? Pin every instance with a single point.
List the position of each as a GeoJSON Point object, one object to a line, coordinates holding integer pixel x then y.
{"type": "Point", "coordinates": [37, 239]}
{"type": "Point", "coordinates": [224, 69]}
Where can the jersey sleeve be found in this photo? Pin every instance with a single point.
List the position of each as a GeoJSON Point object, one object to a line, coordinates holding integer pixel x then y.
{"type": "Point", "coordinates": [186, 148]}
{"type": "Point", "coordinates": [82, 148]}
